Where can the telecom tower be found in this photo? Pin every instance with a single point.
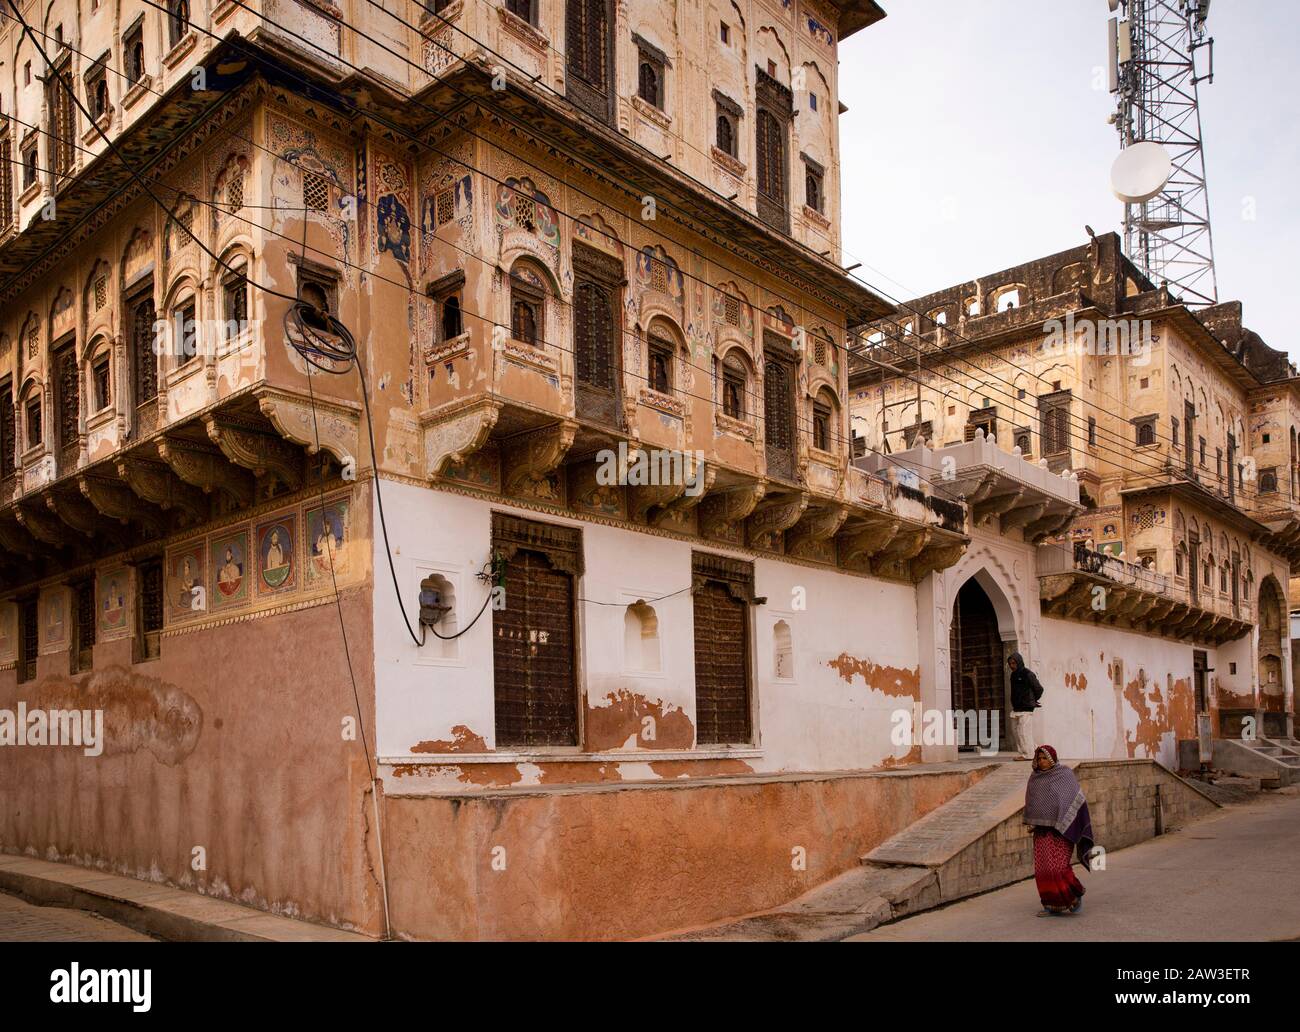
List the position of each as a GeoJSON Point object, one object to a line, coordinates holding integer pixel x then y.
{"type": "Point", "coordinates": [1153, 48]}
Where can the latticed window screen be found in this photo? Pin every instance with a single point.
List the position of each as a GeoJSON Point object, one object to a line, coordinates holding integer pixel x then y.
{"type": "Point", "coordinates": [101, 292]}
{"type": "Point", "coordinates": [658, 275]}
{"type": "Point", "coordinates": [770, 154]}
{"type": "Point", "coordinates": [721, 591]}
{"type": "Point", "coordinates": [1054, 419]}
{"type": "Point", "coordinates": [143, 316]}
{"type": "Point", "coordinates": [778, 403]}
{"type": "Point", "coordinates": [445, 205]}
{"type": "Point", "coordinates": [68, 395]}
{"type": "Point", "coordinates": [63, 117]}
{"type": "Point", "coordinates": [315, 192]}
{"type": "Point", "coordinates": [29, 634]}
{"type": "Point", "coordinates": [731, 309]}
{"type": "Point", "coordinates": [151, 608]}
{"type": "Point", "coordinates": [585, 31]}
{"type": "Point", "coordinates": [235, 191]}
{"type": "Point", "coordinates": [6, 184]}
{"type": "Point", "coordinates": [8, 442]}
{"type": "Point", "coordinates": [525, 212]}
{"type": "Point", "coordinates": [820, 347]}
{"type": "Point", "coordinates": [594, 335]}
{"type": "Point", "coordinates": [84, 631]}
{"type": "Point", "coordinates": [535, 687]}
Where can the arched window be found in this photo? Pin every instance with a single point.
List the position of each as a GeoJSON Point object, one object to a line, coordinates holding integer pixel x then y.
{"type": "Point", "coordinates": [178, 20]}
{"type": "Point", "coordinates": [648, 83]}
{"type": "Point", "coordinates": [641, 639]}
{"type": "Point", "coordinates": [823, 425]}
{"type": "Point", "coordinates": [782, 651]}
{"type": "Point", "coordinates": [661, 363]}
{"type": "Point", "coordinates": [726, 134]}
{"type": "Point", "coordinates": [452, 325]}
{"type": "Point", "coordinates": [527, 304]}
{"type": "Point", "coordinates": [735, 384]}
{"type": "Point", "coordinates": [770, 152]}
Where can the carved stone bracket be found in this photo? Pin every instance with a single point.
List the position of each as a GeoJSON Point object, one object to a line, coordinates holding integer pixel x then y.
{"type": "Point", "coordinates": [206, 468]}
{"type": "Point", "coordinates": [529, 460]}
{"type": "Point", "coordinates": [16, 539]}
{"type": "Point", "coordinates": [996, 505]}
{"type": "Point", "coordinates": [1048, 525]}
{"type": "Point", "coordinates": [938, 555]}
{"type": "Point", "coordinates": [451, 439]}
{"type": "Point", "coordinates": [156, 483]}
{"type": "Point", "coordinates": [895, 558]}
{"type": "Point", "coordinates": [328, 425]}
{"type": "Point", "coordinates": [1023, 515]}
{"type": "Point", "coordinates": [861, 544]}
{"type": "Point", "coordinates": [697, 487]}
{"type": "Point", "coordinates": [721, 514]}
{"type": "Point", "coordinates": [42, 525]}
{"type": "Point", "coordinates": [117, 501]}
{"type": "Point", "coordinates": [259, 452]}
{"type": "Point", "coordinates": [75, 511]}
{"type": "Point", "coordinates": [773, 518]}
{"type": "Point", "coordinates": [807, 538]}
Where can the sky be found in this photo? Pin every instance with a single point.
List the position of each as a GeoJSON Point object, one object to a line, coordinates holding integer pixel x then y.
{"type": "Point", "coordinates": [976, 139]}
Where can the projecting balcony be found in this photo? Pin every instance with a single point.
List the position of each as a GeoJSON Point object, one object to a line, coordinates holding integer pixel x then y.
{"type": "Point", "coordinates": [991, 484]}
{"type": "Point", "coordinates": [250, 447]}
{"type": "Point", "coordinates": [1077, 583]}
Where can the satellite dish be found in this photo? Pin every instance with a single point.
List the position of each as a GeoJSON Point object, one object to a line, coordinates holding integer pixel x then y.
{"type": "Point", "coordinates": [1140, 172]}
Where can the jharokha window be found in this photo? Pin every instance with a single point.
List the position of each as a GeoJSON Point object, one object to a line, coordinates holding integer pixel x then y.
{"type": "Point", "coordinates": [133, 47]}
{"type": "Point", "coordinates": [533, 640]}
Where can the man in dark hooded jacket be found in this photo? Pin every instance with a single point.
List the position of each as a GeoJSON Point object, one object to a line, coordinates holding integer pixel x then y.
{"type": "Point", "coordinates": [1025, 693]}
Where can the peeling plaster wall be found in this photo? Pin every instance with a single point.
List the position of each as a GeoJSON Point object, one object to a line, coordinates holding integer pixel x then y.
{"type": "Point", "coordinates": [1083, 715]}
{"type": "Point", "coordinates": [614, 863]}
{"type": "Point", "coordinates": [830, 712]}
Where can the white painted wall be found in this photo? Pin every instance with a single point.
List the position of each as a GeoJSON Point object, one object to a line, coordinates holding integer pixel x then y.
{"type": "Point", "coordinates": [813, 720]}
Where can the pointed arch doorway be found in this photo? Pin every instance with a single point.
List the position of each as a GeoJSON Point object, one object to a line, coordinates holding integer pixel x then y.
{"type": "Point", "coordinates": [980, 638]}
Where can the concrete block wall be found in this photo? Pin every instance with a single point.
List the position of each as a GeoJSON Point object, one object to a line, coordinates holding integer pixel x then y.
{"type": "Point", "coordinates": [1122, 801]}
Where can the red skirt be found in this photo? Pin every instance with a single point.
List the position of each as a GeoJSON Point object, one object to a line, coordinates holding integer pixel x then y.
{"type": "Point", "coordinates": [1058, 888]}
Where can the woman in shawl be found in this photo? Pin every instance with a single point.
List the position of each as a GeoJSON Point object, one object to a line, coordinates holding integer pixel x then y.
{"type": "Point", "coordinates": [1058, 814]}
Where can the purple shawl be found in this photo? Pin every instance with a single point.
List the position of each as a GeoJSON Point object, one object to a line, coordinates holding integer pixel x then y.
{"type": "Point", "coordinates": [1054, 799]}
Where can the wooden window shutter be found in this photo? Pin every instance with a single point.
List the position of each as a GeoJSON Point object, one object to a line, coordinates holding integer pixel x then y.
{"type": "Point", "coordinates": [722, 589]}
{"type": "Point", "coordinates": [533, 636]}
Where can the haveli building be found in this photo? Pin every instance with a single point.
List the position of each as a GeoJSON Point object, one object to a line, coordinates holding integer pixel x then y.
{"type": "Point", "coordinates": [1165, 597]}
{"type": "Point", "coordinates": [561, 235]}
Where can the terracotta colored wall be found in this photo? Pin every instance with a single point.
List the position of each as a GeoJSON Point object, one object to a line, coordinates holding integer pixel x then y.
{"type": "Point", "coordinates": [231, 741]}
{"type": "Point", "coordinates": [612, 863]}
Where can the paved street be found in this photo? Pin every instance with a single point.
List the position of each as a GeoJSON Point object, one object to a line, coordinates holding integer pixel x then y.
{"type": "Point", "coordinates": [1231, 876]}
{"type": "Point", "coordinates": [22, 922]}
